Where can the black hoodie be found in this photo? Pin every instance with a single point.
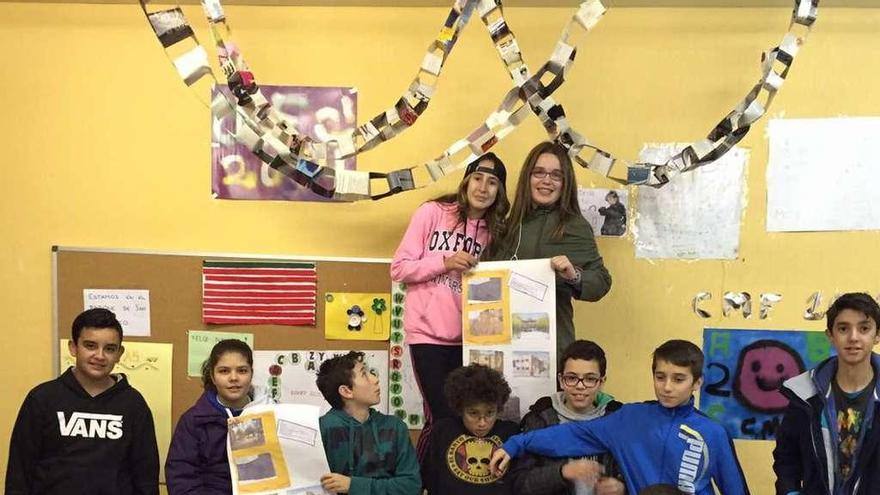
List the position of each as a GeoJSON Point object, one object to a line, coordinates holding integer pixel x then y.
{"type": "Point", "coordinates": [458, 462]}
{"type": "Point", "coordinates": [68, 442]}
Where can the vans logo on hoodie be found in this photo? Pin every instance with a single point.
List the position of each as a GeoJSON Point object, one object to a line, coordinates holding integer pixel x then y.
{"type": "Point", "coordinates": [91, 425]}
{"type": "Point", "coordinates": [694, 459]}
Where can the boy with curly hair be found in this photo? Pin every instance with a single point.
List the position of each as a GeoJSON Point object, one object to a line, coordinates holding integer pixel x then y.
{"type": "Point", "coordinates": [460, 447]}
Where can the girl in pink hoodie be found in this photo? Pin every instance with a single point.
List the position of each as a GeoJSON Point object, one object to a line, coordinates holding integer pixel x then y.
{"type": "Point", "coordinates": [445, 238]}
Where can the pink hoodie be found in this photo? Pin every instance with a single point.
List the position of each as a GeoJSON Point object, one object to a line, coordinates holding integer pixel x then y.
{"type": "Point", "coordinates": [433, 295]}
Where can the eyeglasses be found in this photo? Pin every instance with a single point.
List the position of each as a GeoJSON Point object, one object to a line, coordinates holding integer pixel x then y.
{"type": "Point", "coordinates": [541, 174]}
{"type": "Point", "coordinates": [572, 380]}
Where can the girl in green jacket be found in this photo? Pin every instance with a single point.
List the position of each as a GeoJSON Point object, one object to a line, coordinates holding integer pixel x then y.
{"type": "Point", "coordinates": [545, 222]}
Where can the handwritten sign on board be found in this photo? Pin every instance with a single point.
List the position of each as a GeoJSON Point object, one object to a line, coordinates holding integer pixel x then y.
{"type": "Point", "coordinates": [132, 308]}
{"type": "Point", "coordinates": [201, 342]}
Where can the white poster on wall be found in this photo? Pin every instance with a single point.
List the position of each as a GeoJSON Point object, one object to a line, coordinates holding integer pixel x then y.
{"type": "Point", "coordinates": [509, 324]}
{"type": "Point", "coordinates": [697, 215]}
{"type": "Point", "coordinates": [822, 175]}
{"type": "Point", "coordinates": [289, 376]}
{"type": "Point", "coordinates": [132, 308]}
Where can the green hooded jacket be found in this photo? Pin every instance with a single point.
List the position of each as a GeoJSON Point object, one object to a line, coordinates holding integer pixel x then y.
{"type": "Point", "coordinates": [578, 244]}
{"type": "Point", "coordinates": [377, 454]}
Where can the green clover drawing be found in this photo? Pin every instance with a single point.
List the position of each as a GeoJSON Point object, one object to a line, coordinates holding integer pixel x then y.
{"type": "Point", "coordinates": [378, 306]}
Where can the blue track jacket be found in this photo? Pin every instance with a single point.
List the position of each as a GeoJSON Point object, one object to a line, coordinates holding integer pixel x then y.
{"type": "Point", "coordinates": [653, 444]}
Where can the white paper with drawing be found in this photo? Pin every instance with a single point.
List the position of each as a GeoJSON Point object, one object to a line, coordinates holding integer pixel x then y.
{"type": "Point", "coordinates": [822, 175]}
{"type": "Point", "coordinates": [509, 324]}
{"type": "Point", "coordinates": [132, 308]}
{"type": "Point", "coordinates": [276, 449]}
{"type": "Point", "coordinates": [289, 376]}
{"type": "Point", "coordinates": [697, 215]}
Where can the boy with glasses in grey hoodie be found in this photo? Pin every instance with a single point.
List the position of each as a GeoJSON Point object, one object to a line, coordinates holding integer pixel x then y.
{"type": "Point", "coordinates": [582, 375]}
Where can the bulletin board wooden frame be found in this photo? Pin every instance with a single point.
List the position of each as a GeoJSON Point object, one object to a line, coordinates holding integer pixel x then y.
{"type": "Point", "coordinates": [175, 283]}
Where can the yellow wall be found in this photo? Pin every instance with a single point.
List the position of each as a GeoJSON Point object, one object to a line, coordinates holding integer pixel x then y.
{"type": "Point", "coordinates": [105, 147]}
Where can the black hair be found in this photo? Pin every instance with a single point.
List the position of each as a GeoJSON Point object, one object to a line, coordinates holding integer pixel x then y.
{"type": "Point", "coordinates": [219, 349]}
{"type": "Point", "coordinates": [680, 353]}
{"type": "Point", "coordinates": [586, 350]}
{"type": "Point", "coordinates": [474, 384]}
{"type": "Point", "coordinates": [95, 318]}
{"type": "Point", "coordinates": [856, 301]}
{"type": "Point", "coordinates": [336, 372]}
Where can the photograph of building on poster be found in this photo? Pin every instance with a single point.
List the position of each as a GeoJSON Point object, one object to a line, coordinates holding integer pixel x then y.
{"type": "Point", "coordinates": [486, 311]}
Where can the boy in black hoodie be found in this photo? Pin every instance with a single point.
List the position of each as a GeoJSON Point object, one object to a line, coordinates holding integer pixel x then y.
{"type": "Point", "coordinates": [87, 431]}
{"type": "Point", "coordinates": [460, 447]}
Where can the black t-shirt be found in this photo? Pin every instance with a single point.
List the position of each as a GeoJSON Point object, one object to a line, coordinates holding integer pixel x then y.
{"type": "Point", "coordinates": [458, 462]}
{"type": "Point", "coordinates": [850, 419]}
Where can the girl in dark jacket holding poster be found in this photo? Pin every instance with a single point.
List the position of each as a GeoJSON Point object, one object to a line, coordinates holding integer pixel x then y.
{"type": "Point", "coordinates": [197, 463]}
{"type": "Point", "coordinates": [545, 222]}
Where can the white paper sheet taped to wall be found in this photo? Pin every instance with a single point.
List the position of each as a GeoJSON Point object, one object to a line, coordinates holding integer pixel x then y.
{"type": "Point", "coordinates": [822, 175]}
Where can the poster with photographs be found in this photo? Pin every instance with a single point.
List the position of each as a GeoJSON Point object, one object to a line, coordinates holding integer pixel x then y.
{"type": "Point", "coordinates": [277, 448]}
{"type": "Point", "coordinates": [509, 324]}
{"type": "Point", "coordinates": [605, 210]}
{"type": "Point", "coordinates": [288, 377]}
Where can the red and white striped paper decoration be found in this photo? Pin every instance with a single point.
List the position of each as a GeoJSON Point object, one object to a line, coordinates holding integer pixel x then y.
{"type": "Point", "coordinates": [259, 292]}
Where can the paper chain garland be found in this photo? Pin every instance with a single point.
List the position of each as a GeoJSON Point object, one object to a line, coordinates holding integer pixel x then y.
{"type": "Point", "coordinates": [276, 142]}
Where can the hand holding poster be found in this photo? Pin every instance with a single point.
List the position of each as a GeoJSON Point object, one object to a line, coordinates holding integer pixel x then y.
{"type": "Point", "coordinates": [276, 449]}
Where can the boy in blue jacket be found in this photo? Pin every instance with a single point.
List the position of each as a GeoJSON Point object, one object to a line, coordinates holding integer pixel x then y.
{"type": "Point", "coordinates": [369, 453]}
{"type": "Point", "coordinates": [662, 441]}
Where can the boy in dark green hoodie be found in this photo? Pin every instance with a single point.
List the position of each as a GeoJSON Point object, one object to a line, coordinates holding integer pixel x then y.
{"type": "Point", "coordinates": [369, 453]}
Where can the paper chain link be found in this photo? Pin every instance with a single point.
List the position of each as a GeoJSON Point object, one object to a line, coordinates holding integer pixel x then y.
{"type": "Point", "coordinates": [276, 142]}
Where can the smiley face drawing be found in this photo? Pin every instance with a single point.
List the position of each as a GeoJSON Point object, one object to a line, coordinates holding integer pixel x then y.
{"type": "Point", "coordinates": [761, 368]}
